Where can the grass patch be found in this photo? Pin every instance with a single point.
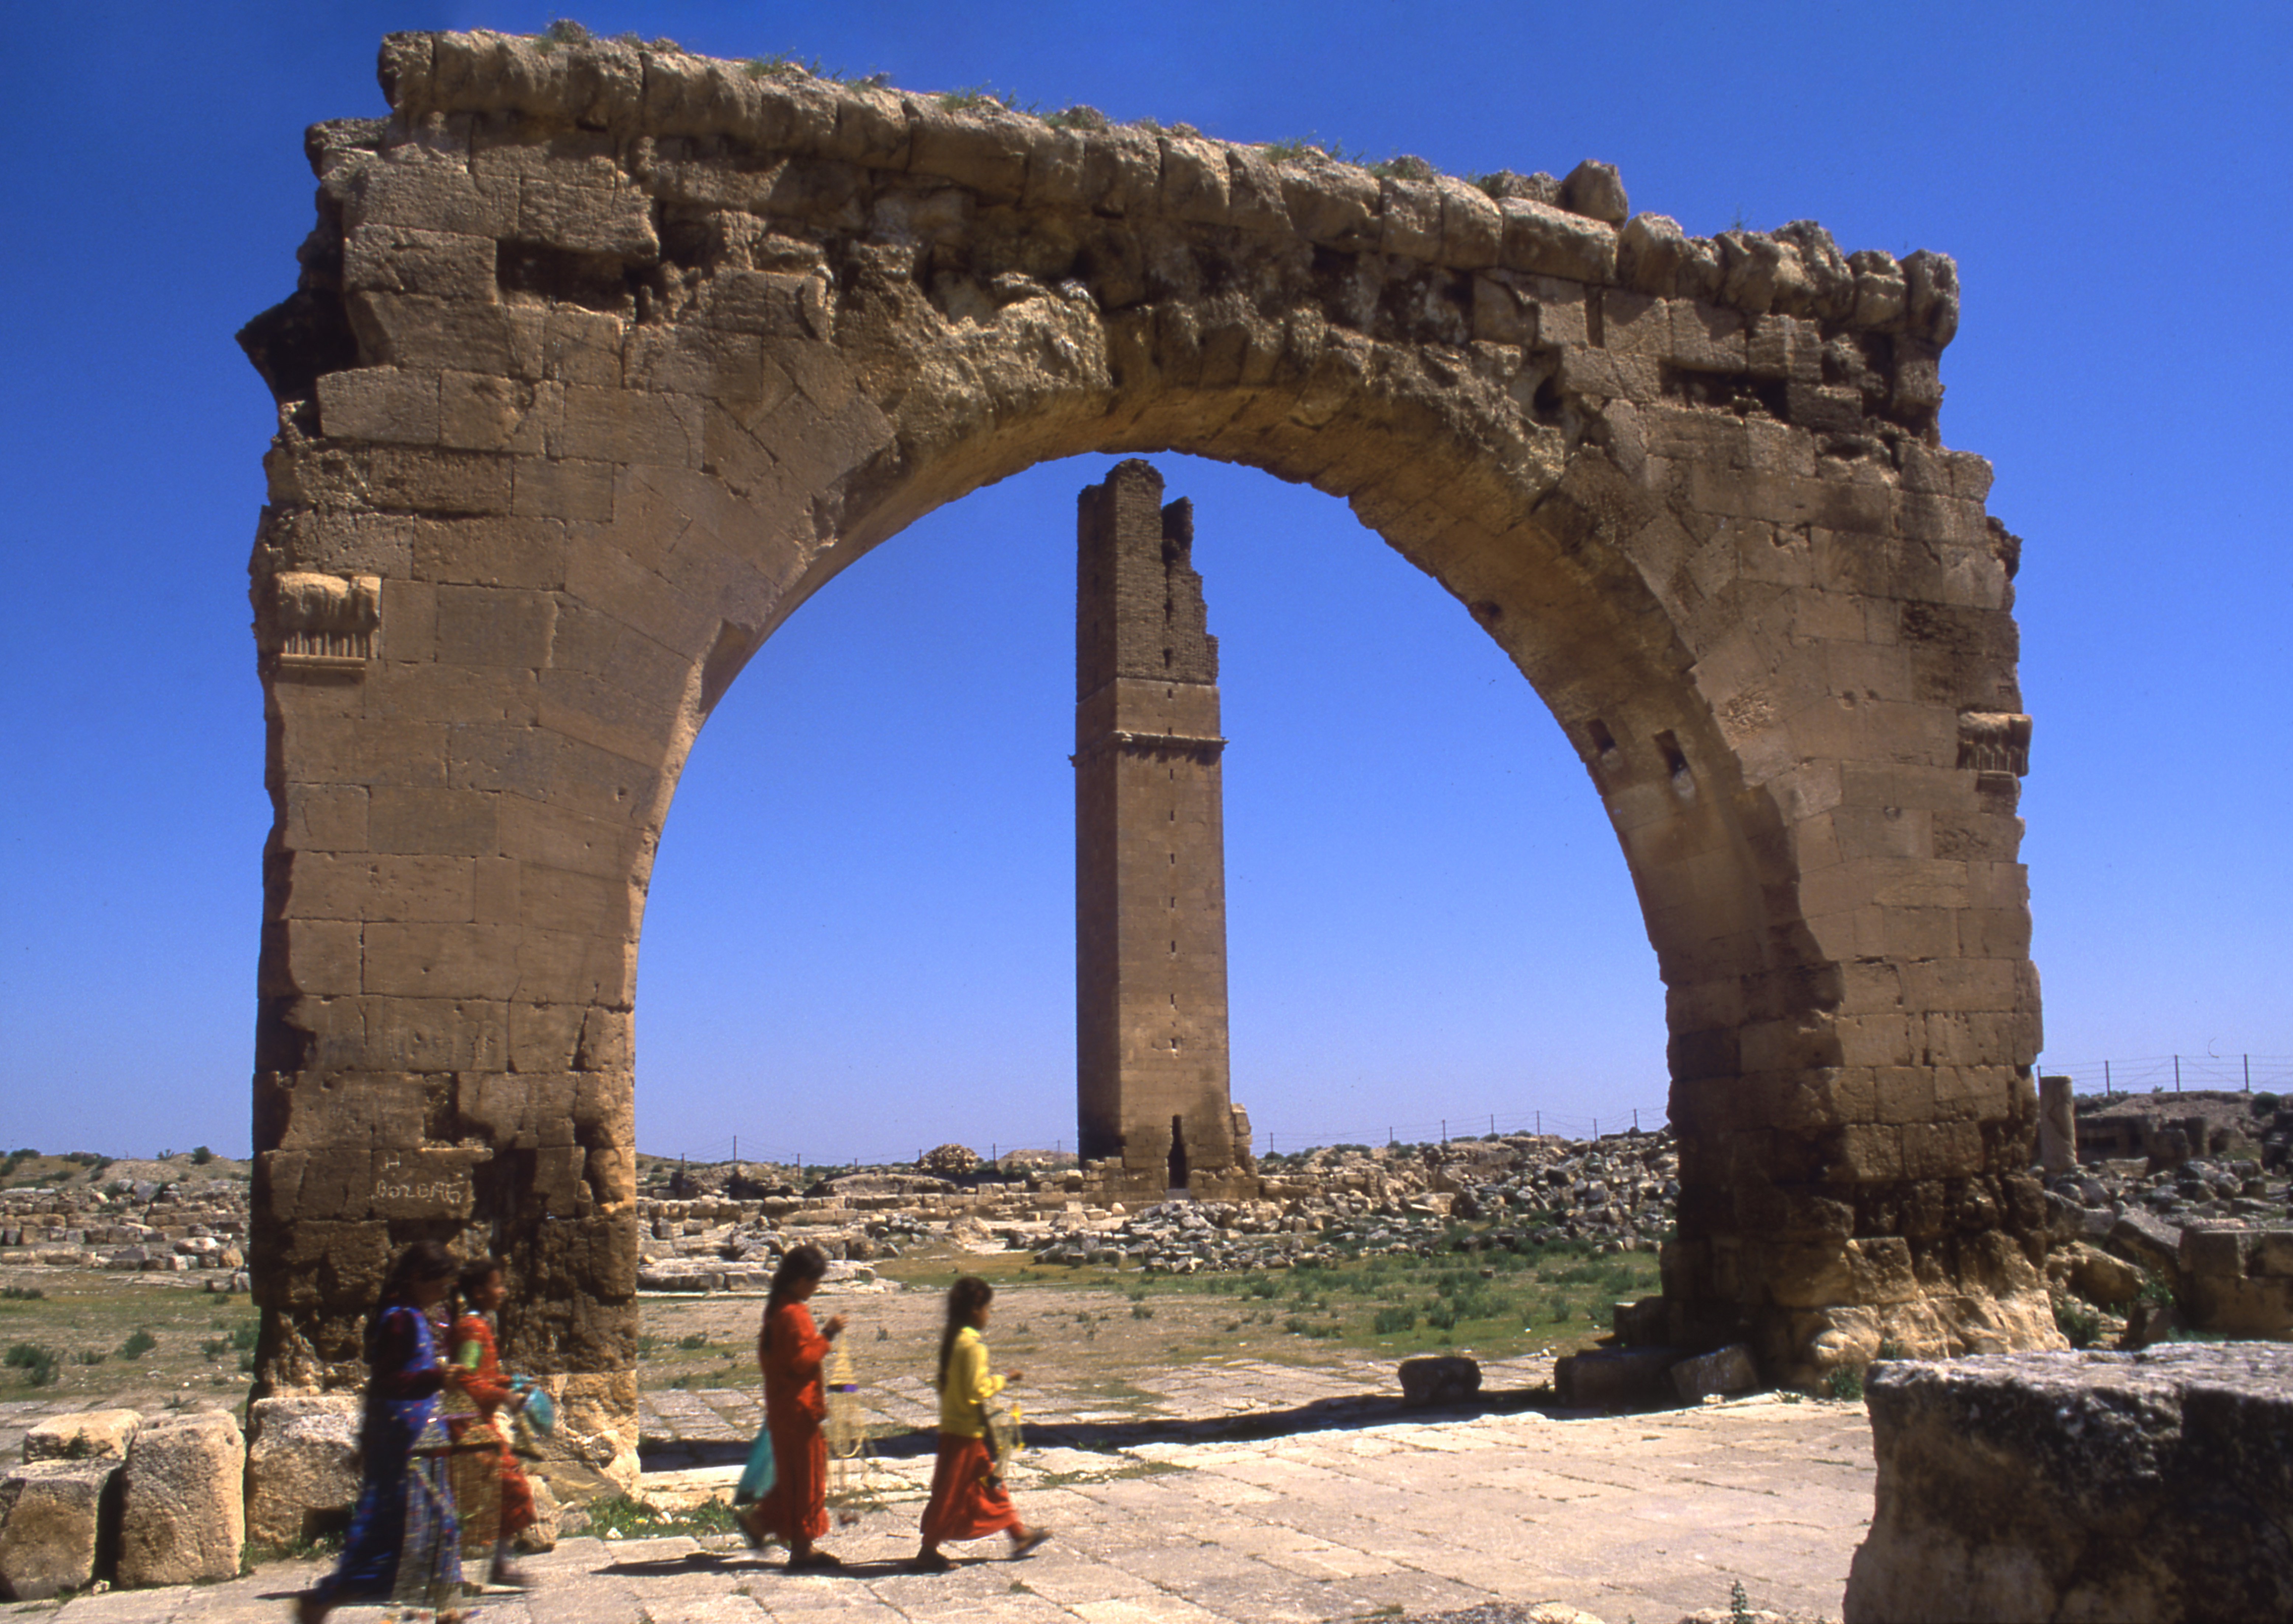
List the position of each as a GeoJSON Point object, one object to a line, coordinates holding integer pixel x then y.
{"type": "Point", "coordinates": [139, 1343]}
{"type": "Point", "coordinates": [980, 99]}
{"type": "Point", "coordinates": [37, 1363]}
{"type": "Point", "coordinates": [1497, 1299]}
{"type": "Point", "coordinates": [626, 1517]}
{"type": "Point", "coordinates": [2080, 1324]}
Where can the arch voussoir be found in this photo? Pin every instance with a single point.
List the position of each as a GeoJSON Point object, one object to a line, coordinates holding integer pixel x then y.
{"type": "Point", "coordinates": [607, 357]}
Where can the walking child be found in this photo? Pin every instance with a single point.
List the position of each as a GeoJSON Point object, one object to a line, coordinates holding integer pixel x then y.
{"type": "Point", "coordinates": [968, 1500]}
{"type": "Point", "coordinates": [477, 1370]}
{"type": "Point", "coordinates": [789, 1350]}
{"type": "Point", "coordinates": [403, 1541]}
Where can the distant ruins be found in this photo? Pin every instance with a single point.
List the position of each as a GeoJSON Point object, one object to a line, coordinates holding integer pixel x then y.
{"type": "Point", "coordinates": [603, 357]}
{"type": "Point", "coordinates": [1151, 1075]}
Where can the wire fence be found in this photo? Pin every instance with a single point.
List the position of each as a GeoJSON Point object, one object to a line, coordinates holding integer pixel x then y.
{"type": "Point", "coordinates": [1265, 1139]}
{"type": "Point", "coordinates": [2177, 1073]}
{"type": "Point", "coordinates": [2148, 1074]}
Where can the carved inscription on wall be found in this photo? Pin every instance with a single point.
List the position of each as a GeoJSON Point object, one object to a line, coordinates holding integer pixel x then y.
{"type": "Point", "coordinates": [426, 1184]}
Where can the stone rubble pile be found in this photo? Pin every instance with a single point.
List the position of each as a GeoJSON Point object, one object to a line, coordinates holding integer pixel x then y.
{"type": "Point", "coordinates": [2193, 1232]}
{"type": "Point", "coordinates": [131, 1224]}
{"type": "Point", "coordinates": [1617, 1192]}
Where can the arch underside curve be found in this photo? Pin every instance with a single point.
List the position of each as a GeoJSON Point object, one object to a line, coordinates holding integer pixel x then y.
{"type": "Point", "coordinates": [602, 361]}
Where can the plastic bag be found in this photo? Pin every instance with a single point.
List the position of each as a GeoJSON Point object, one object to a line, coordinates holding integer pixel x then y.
{"type": "Point", "coordinates": [757, 1478]}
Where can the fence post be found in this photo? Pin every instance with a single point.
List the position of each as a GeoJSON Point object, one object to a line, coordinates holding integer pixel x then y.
{"type": "Point", "coordinates": [2249, 1074]}
{"type": "Point", "coordinates": [2177, 1074]}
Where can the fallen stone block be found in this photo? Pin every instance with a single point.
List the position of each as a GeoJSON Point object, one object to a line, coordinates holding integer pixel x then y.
{"type": "Point", "coordinates": [182, 1508]}
{"type": "Point", "coordinates": [2215, 1250]}
{"type": "Point", "coordinates": [548, 1517]}
{"type": "Point", "coordinates": [2241, 1307]}
{"type": "Point", "coordinates": [302, 1478]}
{"type": "Point", "coordinates": [2149, 1485]}
{"type": "Point", "coordinates": [2147, 1242]}
{"type": "Point", "coordinates": [1642, 1323]}
{"type": "Point", "coordinates": [56, 1519]}
{"type": "Point", "coordinates": [1446, 1378]}
{"type": "Point", "coordinates": [91, 1434]}
{"type": "Point", "coordinates": [1615, 1379]}
{"type": "Point", "coordinates": [1723, 1371]}
{"type": "Point", "coordinates": [2097, 1277]}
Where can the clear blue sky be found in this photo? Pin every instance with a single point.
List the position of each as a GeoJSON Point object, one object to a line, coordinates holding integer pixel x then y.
{"type": "Point", "coordinates": [859, 940]}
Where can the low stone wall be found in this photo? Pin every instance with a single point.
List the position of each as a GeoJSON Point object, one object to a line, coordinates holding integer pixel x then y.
{"type": "Point", "coordinates": [2017, 1486]}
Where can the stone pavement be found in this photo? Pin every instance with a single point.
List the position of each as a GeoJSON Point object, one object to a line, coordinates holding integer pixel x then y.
{"type": "Point", "coordinates": [680, 1429]}
{"type": "Point", "coordinates": [1389, 1513]}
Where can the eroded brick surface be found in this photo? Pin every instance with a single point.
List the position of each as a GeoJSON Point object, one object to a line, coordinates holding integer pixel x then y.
{"type": "Point", "coordinates": [603, 357]}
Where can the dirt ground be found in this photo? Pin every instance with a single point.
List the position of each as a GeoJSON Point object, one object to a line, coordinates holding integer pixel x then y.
{"type": "Point", "coordinates": [1096, 1334]}
{"type": "Point", "coordinates": [1091, 1341]}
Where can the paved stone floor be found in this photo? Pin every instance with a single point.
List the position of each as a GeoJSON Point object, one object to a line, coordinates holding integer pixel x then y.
{"type": "Point", "coordinates": [1348, 1509]}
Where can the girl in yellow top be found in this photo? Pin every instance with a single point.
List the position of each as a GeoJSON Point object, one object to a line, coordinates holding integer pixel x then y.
{"type": "Point", "coordinates": [968, 1500]}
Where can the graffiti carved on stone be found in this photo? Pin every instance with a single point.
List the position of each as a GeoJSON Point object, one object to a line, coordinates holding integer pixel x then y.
{"type": "Point", "coordinates": [604, 357]}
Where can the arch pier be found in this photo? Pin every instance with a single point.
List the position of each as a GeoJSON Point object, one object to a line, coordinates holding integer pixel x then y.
{"type": "Point", "coordinates": [602, 359]}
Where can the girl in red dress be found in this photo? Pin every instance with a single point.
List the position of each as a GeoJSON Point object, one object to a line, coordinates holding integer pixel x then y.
{"type": "Point", "coordinates": [789, 1350]}
{"type": "Point", "coordinates": [477, 1370]}
{"type": "Point", "coordinates": [968, 1500]}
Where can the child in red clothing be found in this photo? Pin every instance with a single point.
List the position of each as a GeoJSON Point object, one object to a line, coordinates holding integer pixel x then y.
{"type": "Point", "coordinates": [789, 1350]}
{"type": "Point", "coordinates": [477, 1371]}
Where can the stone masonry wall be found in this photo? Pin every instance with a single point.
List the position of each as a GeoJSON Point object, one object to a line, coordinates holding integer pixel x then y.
{"type": "Point", "coordinates": [1150, 852]}
{"type": "Point", "coordinates": [602, 359]}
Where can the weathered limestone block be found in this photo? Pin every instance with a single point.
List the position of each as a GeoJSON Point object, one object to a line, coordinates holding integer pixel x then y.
{"type": "Point", "coordinates": [548, 1517]}
{"type": "Point", "coordinates": [183, 1515]}
{"type": "Point", "coordinates": [2098, 1277]}
{"type": "Point", "coordinates": [2149, 1242]}
{"type": "Point", "coordinates": [302, 1473]}
{"type": "Point", "coordinates": [91, 1434]}
{"type": "Point", "coordinates": [56, 1518]}
{"type": "Point", "coordinates": [1443, 1378]}
{"type": "Point", "coordinates": [1723, 1371]}
{"type": "Point", "coordinates": [1613, 1378]}
{"type": "Point", "coordinates": [2020, 1486]}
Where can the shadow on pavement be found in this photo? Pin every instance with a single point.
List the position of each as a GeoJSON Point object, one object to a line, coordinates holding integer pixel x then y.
{"type": "Point", "coordinates": [1321, 1414]}
{"type": "Point", "coordinates": [742, 1561]}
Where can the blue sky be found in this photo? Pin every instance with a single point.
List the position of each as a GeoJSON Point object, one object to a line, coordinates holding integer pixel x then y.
{"type": "Point", "coordinates": [859, 940]}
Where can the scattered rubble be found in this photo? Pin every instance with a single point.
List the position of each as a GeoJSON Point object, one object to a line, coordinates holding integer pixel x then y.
{"type": "Point", "coordinates": [1316, 1207]}
{"type": "Point", "coordinates": [132, 1224]}
{"type": "Point", "coordinates": [2190, 1228]}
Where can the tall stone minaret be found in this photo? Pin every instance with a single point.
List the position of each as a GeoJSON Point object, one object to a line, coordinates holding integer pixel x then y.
{"type": "Point", "coordinates": [1150, 855]}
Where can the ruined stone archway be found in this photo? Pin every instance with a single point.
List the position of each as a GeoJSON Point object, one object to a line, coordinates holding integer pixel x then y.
{"type": "Point", "coordinates": [605, 359]}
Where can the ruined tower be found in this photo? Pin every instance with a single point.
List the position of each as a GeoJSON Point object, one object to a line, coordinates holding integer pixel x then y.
{"type": "Point", "coordinates": [1150, 854]}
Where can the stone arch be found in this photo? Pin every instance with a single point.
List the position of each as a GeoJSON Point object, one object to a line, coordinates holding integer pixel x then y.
{"type": "Point", "coordinates": [605, 359]}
